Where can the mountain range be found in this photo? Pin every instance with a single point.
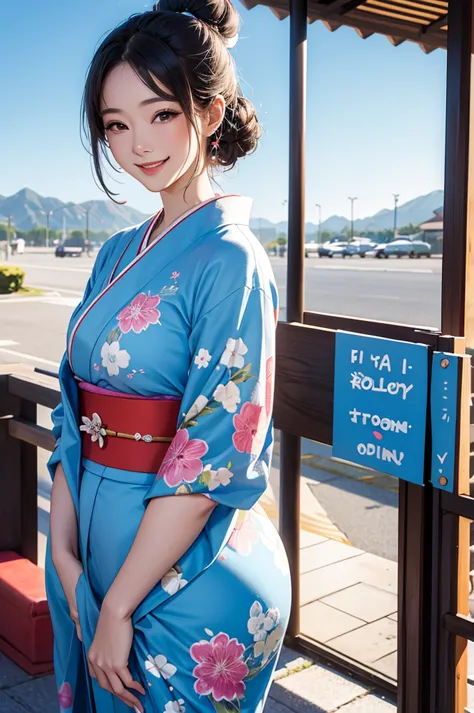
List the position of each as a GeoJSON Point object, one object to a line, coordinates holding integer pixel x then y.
{"type": "Point", "coordinates": [28, 210]}
{"type": "Point", "coordinates": [413, 212]}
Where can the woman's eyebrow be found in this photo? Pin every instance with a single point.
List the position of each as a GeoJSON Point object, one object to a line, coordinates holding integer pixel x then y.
{"type": "Point", "coordinates": [145, 102]}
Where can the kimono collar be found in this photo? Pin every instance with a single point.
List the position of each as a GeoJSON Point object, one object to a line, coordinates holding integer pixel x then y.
{"type": "Point", "coordinates": [177, 238]}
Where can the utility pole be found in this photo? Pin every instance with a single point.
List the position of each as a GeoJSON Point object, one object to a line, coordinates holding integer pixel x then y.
{"type": "Point", "coordinates": [7, 256]}
{"type": "Point", "coordinates": [396, 196]}
{"type": "Point", "coordinates": [319, 224]}
{"type": "Point", "coordinates": [352, 217]}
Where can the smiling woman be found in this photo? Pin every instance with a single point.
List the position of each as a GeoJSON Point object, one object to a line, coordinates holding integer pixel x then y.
{"type": "Point", "coordinates": [162, 89]}
{"type": "Point", "coordinates": [164, 603]}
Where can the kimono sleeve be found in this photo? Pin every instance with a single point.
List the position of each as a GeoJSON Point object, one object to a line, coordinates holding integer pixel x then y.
{"type": "Point", "coordinates": [57, 415]}
{"type": "Point", "coordinates": [223, 445]}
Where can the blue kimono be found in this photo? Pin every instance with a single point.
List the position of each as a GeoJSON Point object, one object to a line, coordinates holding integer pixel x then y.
{"type": "Point", "coordinates": [190, 316]}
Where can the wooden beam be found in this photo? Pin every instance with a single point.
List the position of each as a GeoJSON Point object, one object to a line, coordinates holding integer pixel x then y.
{"type": "Point", "coordinates": [436, 25]}
{"type": "Point", "coordinates": [341, 7]}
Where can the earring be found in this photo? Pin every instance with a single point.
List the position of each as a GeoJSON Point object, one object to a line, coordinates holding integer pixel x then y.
{"type": "Point", "coordinates": [214, 150]}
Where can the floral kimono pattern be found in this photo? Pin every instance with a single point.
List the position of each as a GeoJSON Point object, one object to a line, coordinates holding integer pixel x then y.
{"type": "Point", "coordinates": [191, 317]}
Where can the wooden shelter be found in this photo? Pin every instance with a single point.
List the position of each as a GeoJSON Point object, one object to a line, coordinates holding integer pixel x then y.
{"type": "Point", "coordinates": [433, 622]}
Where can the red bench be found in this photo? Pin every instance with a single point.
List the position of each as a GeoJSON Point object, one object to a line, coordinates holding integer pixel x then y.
{"type": "Point", "coordinates": [26, 634]}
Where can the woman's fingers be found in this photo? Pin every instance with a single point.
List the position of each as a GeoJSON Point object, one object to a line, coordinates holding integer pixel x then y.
{"type": "Point", "coordinates": [102, 679]}
{"type": "Point", "coordinates": [128, 681]}
{"type": "Point", "coordinates": [120, 691]}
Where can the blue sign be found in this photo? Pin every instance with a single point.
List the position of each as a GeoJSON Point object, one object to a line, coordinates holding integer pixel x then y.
{"type": "Point", "coordinates": [380, 404]}
{"type": "Point", "coordinates": [444, 408]}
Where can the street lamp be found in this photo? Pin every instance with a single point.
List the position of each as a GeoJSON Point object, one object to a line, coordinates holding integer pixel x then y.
{"type": "Point", "coordinates": [48, 215]}
{"type": "Point", "coordinates": [396, 196]}
{"type": "Point", "coordinates": [352, 216]}
{"type": "Point", "coordinates": [319, 224]}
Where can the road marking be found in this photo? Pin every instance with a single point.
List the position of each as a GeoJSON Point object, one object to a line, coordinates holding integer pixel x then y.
{"type": "Point", "coordinates": [54, 300]}
{"type": "Point", "coordinates": [32, 357]}
{"type": "Point", "coordinates": [58, 291]}
{"type": "Point", "coordinates": [62, 301]}
{"type": "Point", "coordinates": [7, 343]}
{"type": "Point", "coordinates": [56, 267]}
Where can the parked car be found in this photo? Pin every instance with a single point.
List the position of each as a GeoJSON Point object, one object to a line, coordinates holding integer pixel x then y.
{"type": "Point", "coordinates": [404, 247]}
{"type": "Point", "coordinates": [71, 247]}
{"type": "Point", "coordinates": [330, 249]}
{"type": "Point", "coordinates": [358, 247]}
{"type": "Point", "coordinates": [311, 248]}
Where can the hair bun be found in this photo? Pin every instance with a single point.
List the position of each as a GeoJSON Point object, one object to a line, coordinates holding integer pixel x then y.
{"type": "Point", "coordinates": [218, 14]}
{"type": "Point", "coordinates": [241, 131]}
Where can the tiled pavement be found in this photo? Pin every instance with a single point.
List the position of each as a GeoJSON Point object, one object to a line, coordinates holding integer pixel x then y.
{"type": "Point", "coordinates": [300, 686]}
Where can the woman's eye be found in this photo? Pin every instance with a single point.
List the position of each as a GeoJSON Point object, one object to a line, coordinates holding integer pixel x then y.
{"type": "Point", "coordinates": [112, 124]}
{"type": "Point", "coordinates": [165, 115]}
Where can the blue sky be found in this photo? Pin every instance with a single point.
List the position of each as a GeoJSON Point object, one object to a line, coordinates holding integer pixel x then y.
{"type": "Point", "coordinates": [375, 113]}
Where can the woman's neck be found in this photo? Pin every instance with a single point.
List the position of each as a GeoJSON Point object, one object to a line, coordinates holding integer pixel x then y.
{"type": "Point", "coordinates": [178, 200]}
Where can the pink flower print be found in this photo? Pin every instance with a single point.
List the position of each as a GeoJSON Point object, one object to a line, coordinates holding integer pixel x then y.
{"type": "Point", "coordinates": [141, 312]}
{"type": "Point", "coordinates": [244, 536]}
{"type": "Point", "coordinates": [246, 427]}
{"type": "Point", "coordinates": [183, 459]}
{"type": "Point", "coordinates": [220, 670]}
{"type": "Point", "coordinates": [175, 275]}
{"type": "Point", "coordinates": [65, 697]}
{"type": "Point", "coordinates": [269, 386]}
{"type": "Point", "coordinates": [96, 367]}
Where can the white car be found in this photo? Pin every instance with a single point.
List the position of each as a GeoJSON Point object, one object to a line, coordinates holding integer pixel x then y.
{"type": "Point", "coordinates": [331, 248]}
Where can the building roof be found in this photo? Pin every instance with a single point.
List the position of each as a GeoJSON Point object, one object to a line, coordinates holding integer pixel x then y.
{"type": "Point", "coordinates": [421, 21]}
{"type": "Point", "coordinates": [432, 225]}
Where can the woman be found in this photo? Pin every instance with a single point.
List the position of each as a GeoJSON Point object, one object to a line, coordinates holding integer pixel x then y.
{"type": "Point", "coordinates": [164, 603]}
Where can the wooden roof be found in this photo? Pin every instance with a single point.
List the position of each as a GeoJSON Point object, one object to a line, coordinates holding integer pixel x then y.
{"type": "Point", "coordinates": [421, 21]}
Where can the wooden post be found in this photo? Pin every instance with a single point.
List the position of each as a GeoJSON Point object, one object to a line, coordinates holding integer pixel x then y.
{"type": "Point", "coordinates": [10, 467]}
{"type": "Point", "coordinates": [458, 270]}
{"type": "Point", "coordinates": [290, 443]}
{"type": "Point", "coordinates": [18, 476]}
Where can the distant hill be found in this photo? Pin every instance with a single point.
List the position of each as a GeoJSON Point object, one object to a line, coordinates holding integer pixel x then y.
{"type": "Point", "coordinates": [415, 211]}
{"type": "Point", "coordinates": [28, 210]}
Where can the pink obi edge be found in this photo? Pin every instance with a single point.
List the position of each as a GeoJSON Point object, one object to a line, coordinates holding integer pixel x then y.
{"type": "Point", "coordinates": [85, 386]}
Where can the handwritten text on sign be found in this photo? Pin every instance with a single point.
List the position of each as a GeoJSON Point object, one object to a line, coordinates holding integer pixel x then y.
{"type": "Point", "coordinates": [380, 402]}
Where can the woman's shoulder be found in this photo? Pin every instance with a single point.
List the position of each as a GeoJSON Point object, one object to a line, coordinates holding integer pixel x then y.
{"type": "Point", "coordinates": [235, 247]}
{"type": "Point", "coordinates": [228, 259]}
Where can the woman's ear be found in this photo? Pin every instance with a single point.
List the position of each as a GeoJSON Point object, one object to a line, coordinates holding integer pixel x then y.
{"type": "Point", "coordinates": [215, 115]}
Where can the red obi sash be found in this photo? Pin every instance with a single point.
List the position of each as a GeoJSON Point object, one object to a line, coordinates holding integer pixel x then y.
{"type": "Point", "coordinates": [124, 431]}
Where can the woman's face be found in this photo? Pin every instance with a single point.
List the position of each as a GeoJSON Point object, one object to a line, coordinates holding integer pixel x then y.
{"type": "Point", "coordinates": [141, 128]}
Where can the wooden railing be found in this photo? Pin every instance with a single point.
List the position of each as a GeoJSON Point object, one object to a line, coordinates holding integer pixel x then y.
{"type": "Point", "coordinates": [21, 391]}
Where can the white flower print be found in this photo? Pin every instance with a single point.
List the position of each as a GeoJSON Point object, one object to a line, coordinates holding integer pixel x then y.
{"type": "Point", "coordinates": [175, 706]}
{"type": "Point", "coordinates": [173, 580]}
{"type": "Point", "coordinates": [159, 666]}
{"type": "Point", "coordinates": [202, 359]}
{"type": "Point", "coordinates": [114, 358]}
{"type": "Point", "coordinates": [221, 476]}
{"type": "Point", "coordinates": [233, 354]}
{"type": "Point", "coordinates": [259, 623]}
{"type": "Point", "coordinates": [228, 396]}
{"type": "Point", "coordinates": [268, 645]}
{"type": "Point", "coordinates": [93, 427]}
{"type": "Point", "coordinates": [196, 408]}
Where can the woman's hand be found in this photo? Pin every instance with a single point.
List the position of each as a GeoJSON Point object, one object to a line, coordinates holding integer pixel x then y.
{"type": "Point", "coordinates": [69, 569]}
{"type": "Point", "coordinates": [108, 657]}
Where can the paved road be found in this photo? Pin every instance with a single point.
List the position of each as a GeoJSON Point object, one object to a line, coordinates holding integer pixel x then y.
{"type": "Point", "coordinates": [33, 331]}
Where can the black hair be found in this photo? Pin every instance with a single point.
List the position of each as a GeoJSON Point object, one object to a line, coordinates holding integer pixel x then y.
{"type": "Point", "coordinates": [183, 43]}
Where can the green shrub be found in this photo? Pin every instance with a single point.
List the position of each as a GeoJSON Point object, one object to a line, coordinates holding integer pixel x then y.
{"type": "Point", "coordinates": [11, 278]}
